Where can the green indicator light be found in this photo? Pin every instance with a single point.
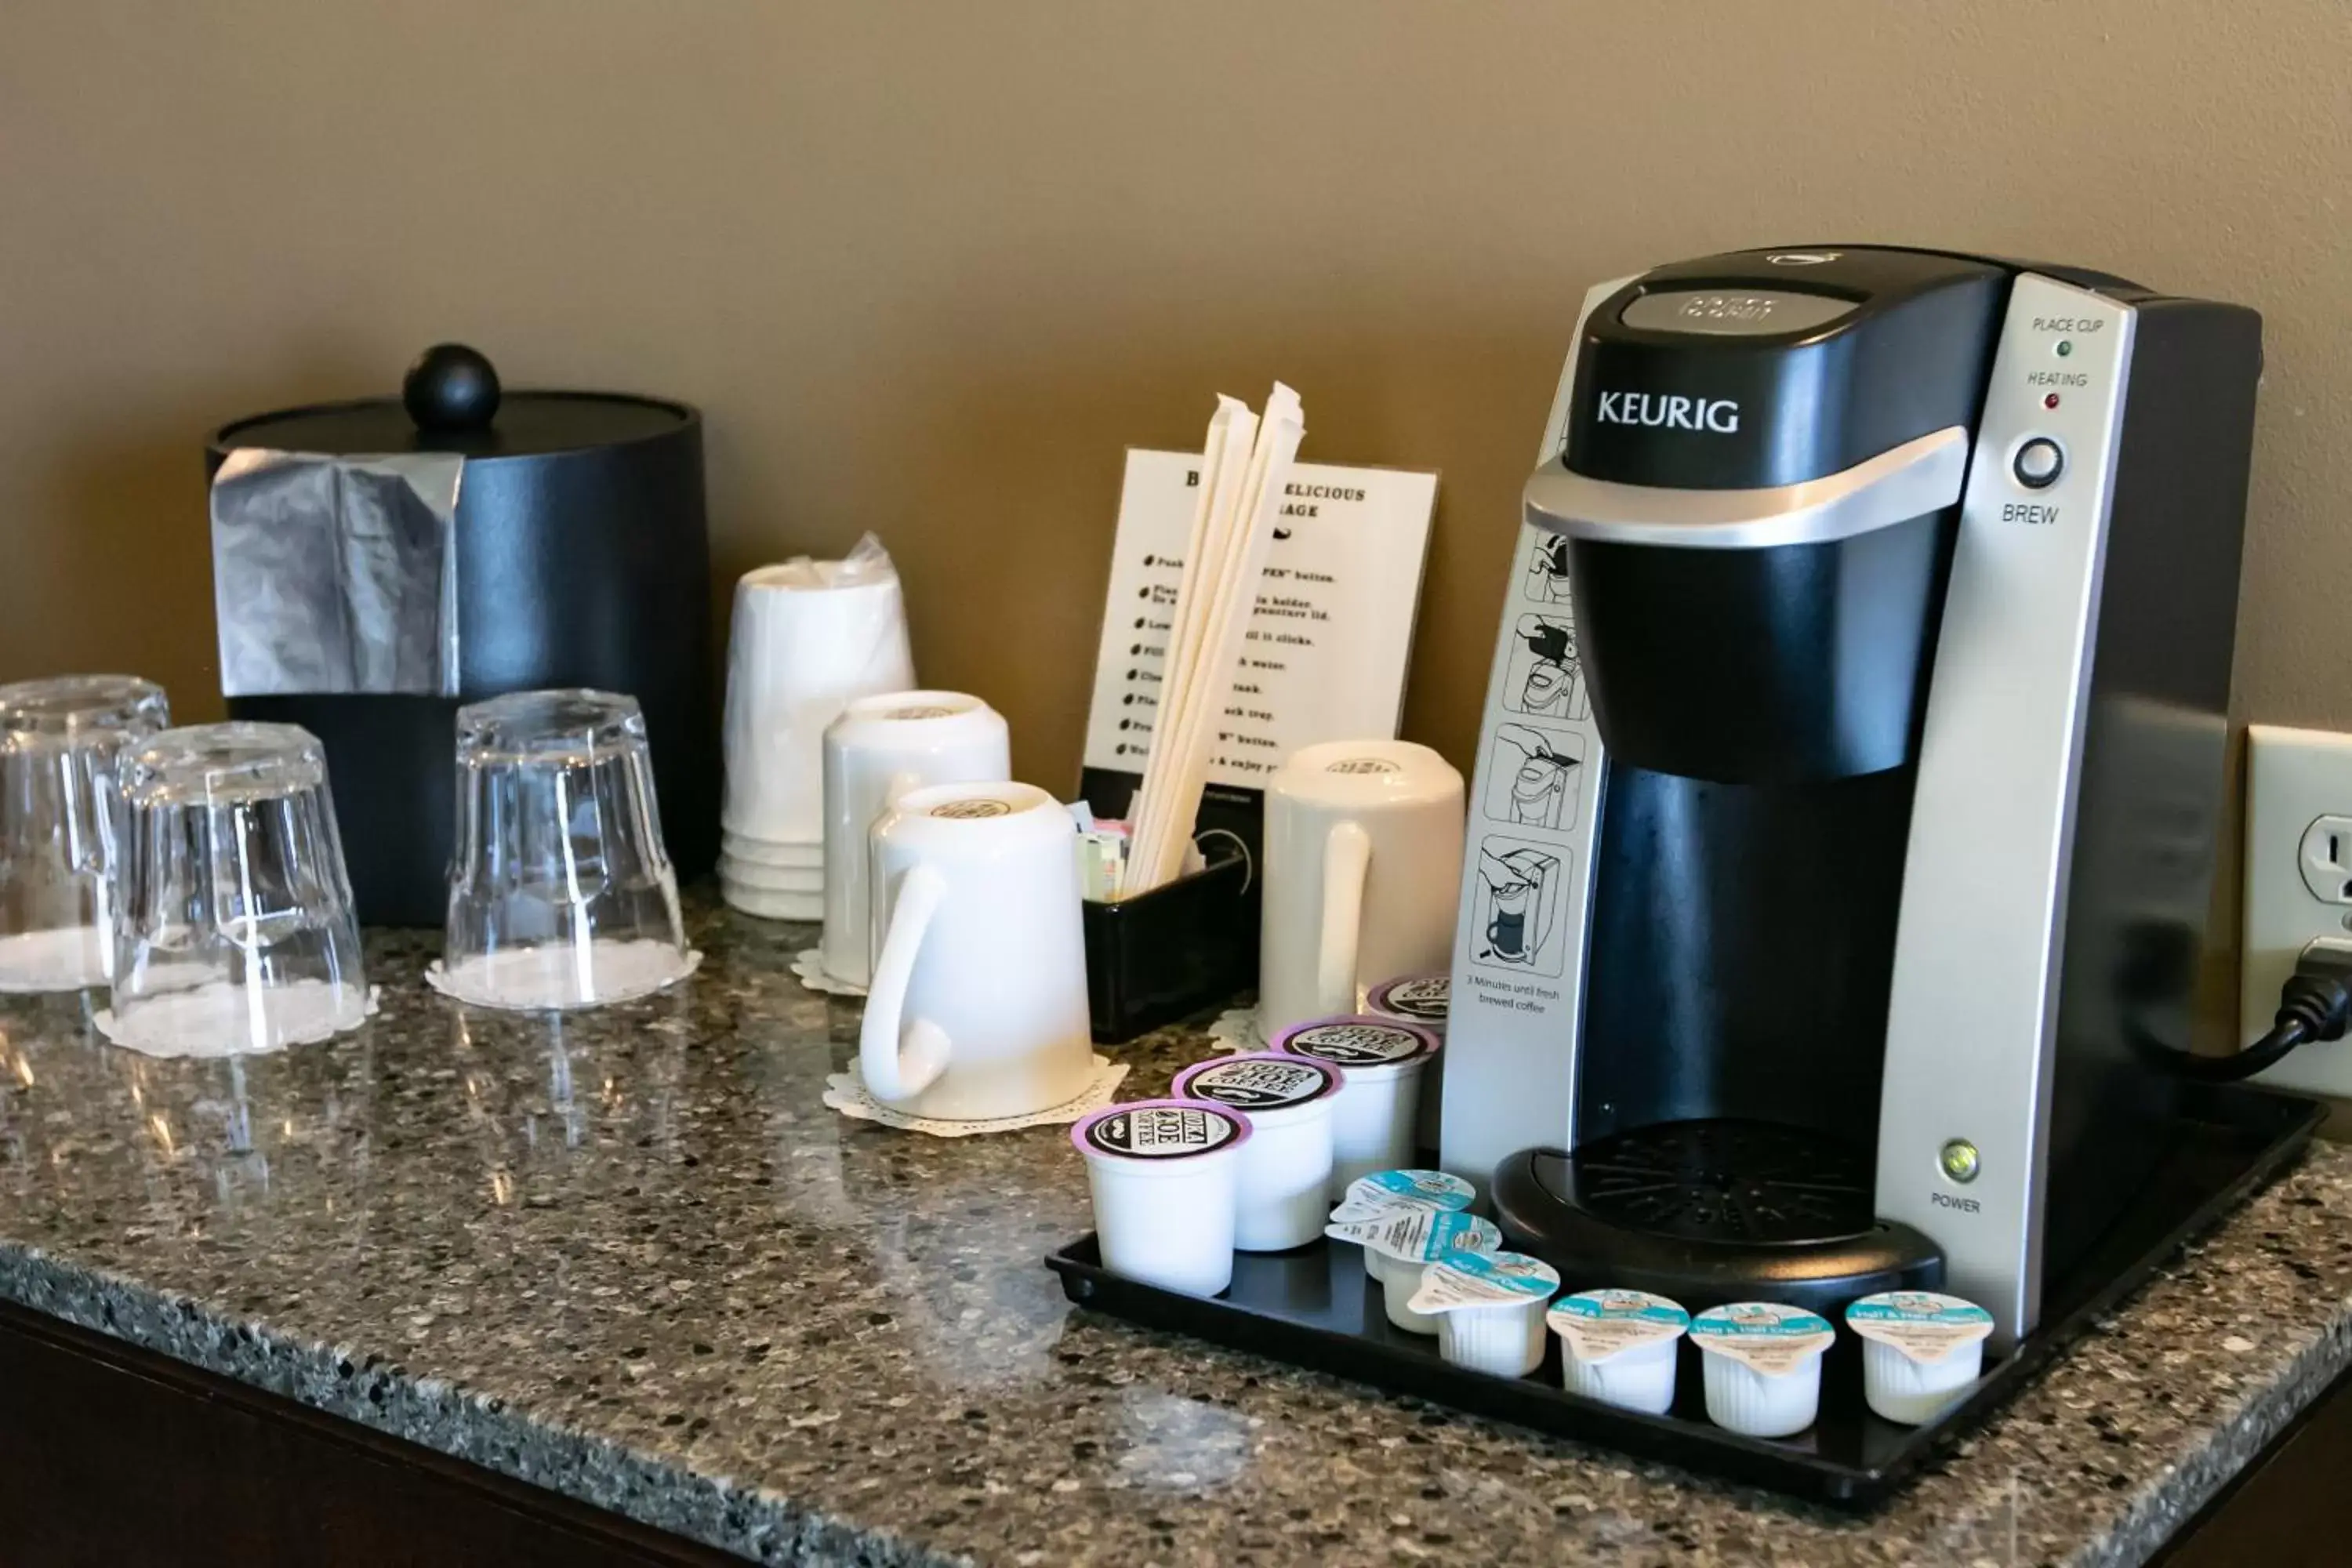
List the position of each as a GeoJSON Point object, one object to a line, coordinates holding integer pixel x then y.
{"type": "Point", "coordinates": [1960, 1160]}
{"type": "Point", "coordinates": [2064, 348]}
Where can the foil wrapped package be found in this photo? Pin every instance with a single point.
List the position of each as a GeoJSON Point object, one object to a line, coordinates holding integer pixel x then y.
{"type": "Point", "coordinates": [335, 575]}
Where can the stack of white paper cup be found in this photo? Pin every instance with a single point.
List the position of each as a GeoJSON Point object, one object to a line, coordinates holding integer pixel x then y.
{"type": "Point", "coordinates": [808, 637]}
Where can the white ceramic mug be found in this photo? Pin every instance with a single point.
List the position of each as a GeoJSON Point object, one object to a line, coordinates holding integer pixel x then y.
{"type": "Point", "coordinates": [978, 1006]}
{"type": "Point", "coordinates": [879, 749]}
{"type": "Point", "coordinates": [1363, 872]}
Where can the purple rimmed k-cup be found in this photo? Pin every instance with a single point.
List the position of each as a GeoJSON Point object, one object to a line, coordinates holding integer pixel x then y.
{"type": "Point", "coordinates": [1423, 999]}
{"type": "Point", "coordinates": [1163, 1174]}
{"type": "Point", "coordinates": [1383, 1059]}
{"type": "Point", "coordinates": [1426, 1000]}
{"type": "Point", "coordinates": [1279, 1190]}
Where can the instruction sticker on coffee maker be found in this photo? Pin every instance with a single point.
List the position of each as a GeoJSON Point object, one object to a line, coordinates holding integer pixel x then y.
{"type": "Point", "coordinates": [1327, 643]}
{"type": "Point", "coordinates": [1516, 1004]}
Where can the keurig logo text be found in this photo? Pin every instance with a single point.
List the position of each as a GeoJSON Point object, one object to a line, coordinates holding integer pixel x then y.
{"type": "Point", "coordinates": [1658, 410]}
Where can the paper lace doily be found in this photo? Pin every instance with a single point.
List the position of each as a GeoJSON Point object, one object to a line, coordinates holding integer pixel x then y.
{"type": "Point", "coordinates": [538, 979]}
{"type": "Point", "coordinates": [1237, 1029]}
{"type": "Point", "coordinates": [71, 958]}
{"type": "Point", "coordinates": [808, 968]}
{"type": "Point", "coordinates": [846, 1092]}
{"type": "Point", "coordinates": [213, 1020]}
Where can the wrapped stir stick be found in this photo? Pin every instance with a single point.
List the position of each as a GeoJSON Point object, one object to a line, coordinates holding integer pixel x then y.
{"type": "Point", "coordinates": [1245, 465]}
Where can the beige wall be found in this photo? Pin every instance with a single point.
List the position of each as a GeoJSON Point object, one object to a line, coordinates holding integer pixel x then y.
{"type": "Point", "coordinates": [929, 267]}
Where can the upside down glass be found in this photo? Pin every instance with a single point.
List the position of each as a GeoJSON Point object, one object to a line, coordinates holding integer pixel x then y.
{"type": "Point", "coordinates": [61, 743]}
{"type": "Point", "coordinates": [236, 932]}
{"type": "Point", "coordinates": [561, 892]}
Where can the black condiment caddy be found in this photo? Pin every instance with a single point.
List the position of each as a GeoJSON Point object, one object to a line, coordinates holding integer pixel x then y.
{"type": "Point", "coordinates": [1188, 944]}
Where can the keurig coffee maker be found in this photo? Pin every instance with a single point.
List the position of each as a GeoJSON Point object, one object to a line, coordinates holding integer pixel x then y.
{"type": "Point", "coordinates": [1885, 600]}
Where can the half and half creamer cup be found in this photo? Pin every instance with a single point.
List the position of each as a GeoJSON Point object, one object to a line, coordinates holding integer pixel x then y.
{"type": "Point", "coordinates": [1286, 1170]}
{"type": "Point", "coordinates": [1408, 1240]}
{"type": "Point", "coordinates": [1618, 1346]}
{"type": "Point", "coordinates": [1382, 1060]}
{"type": "Point", "coordinates": [1384, 1192]}
{"type": "Point", "coordinates": [1921, 1352]}
{"type": "Point", "coordinates": [1763, 1366]}
{"type": "Point", "coordinates": [1163, 1173]}
{"type": "Point", "coordinates": [1490, 1308]}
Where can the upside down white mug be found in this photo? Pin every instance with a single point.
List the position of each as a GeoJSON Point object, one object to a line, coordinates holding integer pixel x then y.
{"type": "Point", "coordinates": [879, 749]}
{"type": "Point", "coordinates": [978, 1006]}
{"type": "Point", "coordinates": [1363, 872]}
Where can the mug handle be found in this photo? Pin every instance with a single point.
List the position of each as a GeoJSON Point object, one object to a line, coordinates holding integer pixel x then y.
{"type": "Point", "coordinates": [1346, 856]}
{"type": "Point", "coordinates": [901, 1063]}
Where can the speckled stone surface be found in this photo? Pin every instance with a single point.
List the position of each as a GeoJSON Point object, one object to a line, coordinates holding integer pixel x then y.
{"type": "Point", "coordinates": [628, 1256]}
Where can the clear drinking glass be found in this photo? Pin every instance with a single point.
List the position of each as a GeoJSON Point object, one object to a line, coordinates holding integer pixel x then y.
{"type": "Point", "coordinates": [560, 893]}
{"type": "Point", "coordinates": [61, 743]}
{"type": "Point", "coordinates": [236, 932]}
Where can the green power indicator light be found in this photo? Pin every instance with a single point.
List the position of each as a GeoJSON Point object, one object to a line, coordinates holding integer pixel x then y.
{"type": "Point", "coordinates": [1960, 1160]}
{"type": "Point", "coordinates": [2064, 348]}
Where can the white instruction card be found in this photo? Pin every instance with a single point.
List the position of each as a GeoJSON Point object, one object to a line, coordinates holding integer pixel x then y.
{"type": "Point", "coordinates": [1325, 654]}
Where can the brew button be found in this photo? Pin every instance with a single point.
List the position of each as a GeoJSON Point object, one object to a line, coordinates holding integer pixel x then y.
{"type": "Point", "coordinates": [2039, 463]}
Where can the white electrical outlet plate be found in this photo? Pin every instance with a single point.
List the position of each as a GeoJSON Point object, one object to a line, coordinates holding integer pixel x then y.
{"type": "Point", "coordinates": [2298, 884]}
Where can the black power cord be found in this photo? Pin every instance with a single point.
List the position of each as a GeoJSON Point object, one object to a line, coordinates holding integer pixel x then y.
{"type": "Point", "coordinates": [2314, 1004]}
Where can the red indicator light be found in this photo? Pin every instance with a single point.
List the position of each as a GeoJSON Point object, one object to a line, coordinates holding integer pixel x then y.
{"type": "Point", "coordinates": [2051, 401]}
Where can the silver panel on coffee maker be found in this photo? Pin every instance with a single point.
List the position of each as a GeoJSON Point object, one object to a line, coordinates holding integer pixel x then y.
{"type": "Point", "coordinates": [1973, 1020]}
{"type": "Point", "coordinates": [1526, 875]}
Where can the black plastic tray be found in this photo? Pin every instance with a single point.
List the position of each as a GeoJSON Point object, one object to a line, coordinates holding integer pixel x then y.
{"type": "Point", "coordinates": [1314, 1308]}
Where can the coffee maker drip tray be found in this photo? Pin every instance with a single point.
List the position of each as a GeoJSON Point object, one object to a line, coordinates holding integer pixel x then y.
{"type": "Point", "coordinates": [1713, 1211]}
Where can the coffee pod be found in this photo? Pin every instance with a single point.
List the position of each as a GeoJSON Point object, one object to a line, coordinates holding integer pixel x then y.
{"type": "Point", "coordinates": [1618, 1346]}
{"type": "Point", "coordinates": [1384, 1192]}
{"type": "Point", "coordinates": [1285, 1168]}
{"type": "Point", "coordinates": [1490, 1309]}
{"type": "Point", "coordinates": [1423, 999]}
{"type": "Point", "coordinates": [1162, 1172]}
{"type": "Point", "coordinates": [1763, 1366]}
{"type": "Point", "coordinates": [1408, 1240]}
{"type": "Point", "coordinates": [1372, 1127]}
{"type": "Point", "coordinates": [1921, 1352]}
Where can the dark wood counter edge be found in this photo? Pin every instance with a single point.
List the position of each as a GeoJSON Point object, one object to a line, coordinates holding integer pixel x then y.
{"type": "Point", "coordinates": [388, 1403]}
{"type": "Point", "coordinates": [83, 1404]}
{"type": "Point", "coordinates": [111, 1452]}
{"type": "Point", "coordinates": [2289, 1508]}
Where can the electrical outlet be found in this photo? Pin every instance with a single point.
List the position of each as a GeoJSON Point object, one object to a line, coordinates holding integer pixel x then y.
{"type": "Point", "coordinates": [2298, 884]}
{"type": "Point", "coordinates": [2326, 852]}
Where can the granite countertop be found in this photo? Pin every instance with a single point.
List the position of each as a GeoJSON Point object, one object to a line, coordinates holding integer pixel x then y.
{"type": "Point", "coordinates": [630, 1256]}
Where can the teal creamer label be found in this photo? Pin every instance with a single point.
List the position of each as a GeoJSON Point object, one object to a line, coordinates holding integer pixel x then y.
{"type": "Point", "coordinates": [1464, 1279]}
{"type": "Point", "coordinates": [1765, 1335]}
{"type": "Point", "coordinates": [1384, 1191]}
{"type": "Point", "coordinates": [1419, 1235]}
{"type": "Point", "coordinates": [1597, 1324]}
{"type": "Point", "coordinates": [1922, 1324]}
